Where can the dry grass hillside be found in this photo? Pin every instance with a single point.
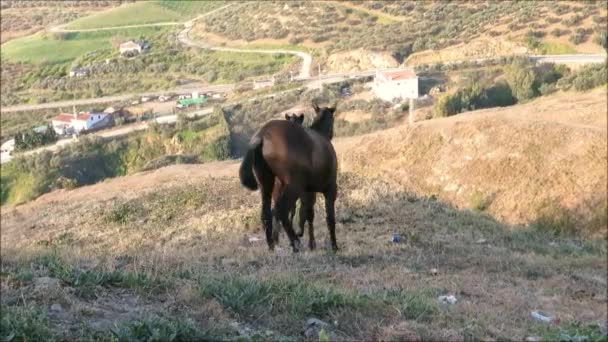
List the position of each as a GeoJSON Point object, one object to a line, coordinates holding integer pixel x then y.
{"type": "Point", "coordinates": [179, 251]}
{"type": "Point", "coordinates": [546, 158]}
{"type": "Point", "coordinates": [429, 31]}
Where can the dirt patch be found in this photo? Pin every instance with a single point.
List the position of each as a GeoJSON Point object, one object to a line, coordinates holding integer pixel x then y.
{"type": "Point", "coordinates": [355, 116]}
{"type": "Point", "coordinates": [358, 60]}
{"type": "Point", "coordinates": [479, 48]}
{"type": "Point", "coordinates": [497, 154]}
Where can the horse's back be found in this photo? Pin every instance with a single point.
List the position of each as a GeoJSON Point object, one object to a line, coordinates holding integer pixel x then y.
{"type": "Point", "coordinates": [286, 144]}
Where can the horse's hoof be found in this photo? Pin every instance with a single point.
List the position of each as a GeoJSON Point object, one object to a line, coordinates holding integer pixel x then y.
{"type": "Point", "coordinates": [312, 245]}
{"type": "Point", "coordinates": [296, 246]}
{"type": "Point", "coordinates": [271, 247]}
{"type": "Point", "coordinates": [334, 248]}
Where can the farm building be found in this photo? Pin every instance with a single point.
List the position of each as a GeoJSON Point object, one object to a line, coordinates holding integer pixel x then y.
{"type": "Point", "coordinates": [396, 84]}
{"type": "Point", "coordinates": [76, 123]}
{"type": "Point", "coordinates": [133, 47]}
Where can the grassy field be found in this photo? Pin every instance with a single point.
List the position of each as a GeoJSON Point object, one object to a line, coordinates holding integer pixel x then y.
{"type": "Point", "coordinates": [145, 12]}
{"type": "Point", "coordinates": [555, 48]}
{"type": "Point", "coordinates": [163, 259]}
{"type": "Point", "coordinates": [65, 47]}
{"type": "Point", "coordinates": [17, 22]}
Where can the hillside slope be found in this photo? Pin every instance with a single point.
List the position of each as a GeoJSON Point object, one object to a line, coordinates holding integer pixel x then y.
{"type": "Point", "coordinates": [521, 163]}
{"type": "Point", "coordinates": [181, 248]}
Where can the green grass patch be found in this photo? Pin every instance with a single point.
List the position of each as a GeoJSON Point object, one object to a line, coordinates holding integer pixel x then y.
{"type": "Point", "coordinates": [190, 8]}
{"type": "Point", "coordinates": [556, 48]}
{"type": "Point", "coordinates": [145, 12]}
{"type": "Point", "coordinates": [533, 239]}
{"type": "Point", "coordinates": [38, 48]}
{"type": "Point", "coordinates": [24, 324]}
{"type": "Point", "coordinates": [570, 332]}
{"type": "Point", "coordinates": [288, 298]}
{"type": "Point", "coordinates": [86, 281]}
{"type": "Point", "coordinates": [159, 329]}
{"type": "Point", "coordinates": [65, 47]}
{"type": "Point", "coordinates": [419, 305]}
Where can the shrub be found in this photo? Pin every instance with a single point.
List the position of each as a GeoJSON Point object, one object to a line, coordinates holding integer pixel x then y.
{"type": "Point", "coordinates": [586, 78]}
{"type": "Point", "coordinates": [547, 88]}
{"type": "Point", "coordinates": [579, 36]}
{"type": "Point", "coordinates": [520, 77]}
{"type": "Point", "coordinates": [602, 39]}
{"type": "Point", "coordinates": [558, 32]}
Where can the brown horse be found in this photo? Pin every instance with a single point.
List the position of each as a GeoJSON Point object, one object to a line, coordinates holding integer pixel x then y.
{"type": "Point", "coordinates": [278, 186]}
{"type": "Point", "coordinates": [305, 163]}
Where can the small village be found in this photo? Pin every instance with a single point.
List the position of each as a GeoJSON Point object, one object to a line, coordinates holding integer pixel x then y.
{"type": "Point", "coordinates": [395, 86]}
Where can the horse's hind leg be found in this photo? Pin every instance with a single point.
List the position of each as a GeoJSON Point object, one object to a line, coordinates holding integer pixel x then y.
{"type": "Point", "coordinates": [330, 201]}
{"type": "Point", "coordinates": [286, 201]}
{"type": "Point", "coordinates": [266, 185]}
{"type": "Point", "coordinates": [276, 192]}
{"type": "Point", "coordinates": [307, 213]}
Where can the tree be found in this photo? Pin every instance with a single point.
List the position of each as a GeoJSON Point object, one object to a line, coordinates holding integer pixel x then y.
{"type": "Point", "coordinates": [520, 77]}
{"type": "Point", "coordinates": [602, 39]}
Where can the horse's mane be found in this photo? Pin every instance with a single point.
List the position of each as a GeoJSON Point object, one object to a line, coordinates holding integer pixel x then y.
{"type": "Point", "coordinates": [324, 123]}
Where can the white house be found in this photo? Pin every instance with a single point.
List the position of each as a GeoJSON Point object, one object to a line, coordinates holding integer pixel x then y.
{"type": "Point", "coordinates": [8, 146]}
{"type": "Point", "coordinates": [133, 46]}
{"type": "Point", "coordinates": [396, 84]}
{"type": "Point", "coordinates": [75, 123]}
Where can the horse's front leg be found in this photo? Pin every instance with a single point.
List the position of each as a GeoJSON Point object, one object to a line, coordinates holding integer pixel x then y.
{"type": "Point", "coordinates": [330, 202]}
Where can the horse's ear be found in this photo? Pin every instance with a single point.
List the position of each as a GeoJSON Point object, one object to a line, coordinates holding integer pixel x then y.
{"type": "Point", "coordinates": [300, 118]}
{"type": "Point", "coordinates": [287, 116]}
{"type": "Point", "coordinates": [334, 106]}
{"type": "Point", "coordinates": [316, 108]}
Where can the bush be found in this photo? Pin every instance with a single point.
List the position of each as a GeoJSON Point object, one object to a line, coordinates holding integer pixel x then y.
{"type": "Point", "coordinates": [473, 97]}
{"type": "Point", "coordinates": [578, 37]}
{"type": "Point", "coordinates": [520, 78]}
{"type": "Point", "coordinates": [602, 40]}
{"type": "Point", "coordinates": [586, 78]}
{"type": "Point", "coordinates": [558, 32]}
{"type": "Point", "coordinates": [547, 88]}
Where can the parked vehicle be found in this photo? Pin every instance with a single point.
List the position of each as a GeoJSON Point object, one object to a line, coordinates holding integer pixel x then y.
{"type": "Point", "coordinates": [185, 103]}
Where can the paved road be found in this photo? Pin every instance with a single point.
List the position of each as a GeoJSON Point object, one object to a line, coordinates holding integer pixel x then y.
{"type": "Point", "coordinates": [221, 88]}
{"type": "Point", "coordinates": [568, 59]}
{"type": "Point", "coordinates": [184, 38]}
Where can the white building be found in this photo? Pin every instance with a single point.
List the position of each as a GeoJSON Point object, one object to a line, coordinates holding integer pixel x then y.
{"type": "Point", "coordinates": [396, 85]}
{"type": "Point", "coordinates": [75, 123]}
{"type": "Point", "coordinates": [133, 46]}
{"type": "Point", "coordinates": [8, 146]}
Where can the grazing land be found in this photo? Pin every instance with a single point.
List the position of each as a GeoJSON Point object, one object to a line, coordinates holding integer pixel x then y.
{"type": "Point", "coordinates": [156, 250]}
{"type": "Point", "coordinates": [23, 18]}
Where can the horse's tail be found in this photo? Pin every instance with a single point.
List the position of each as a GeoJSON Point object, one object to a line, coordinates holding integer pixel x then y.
{"type": "Point", "coordinates": [246, 171]}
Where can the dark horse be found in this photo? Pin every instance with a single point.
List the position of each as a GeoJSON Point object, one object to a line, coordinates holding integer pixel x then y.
{"type": "Point", "coordinates": [304, 161]}
{"type": "Point", "coordinates": [278, 186]}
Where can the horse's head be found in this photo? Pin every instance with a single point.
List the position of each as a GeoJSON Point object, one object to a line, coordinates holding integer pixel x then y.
{"type": "Point", "coordinates": [299, 119]}
{"type": "Point", "coordinates": [324, 122]}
